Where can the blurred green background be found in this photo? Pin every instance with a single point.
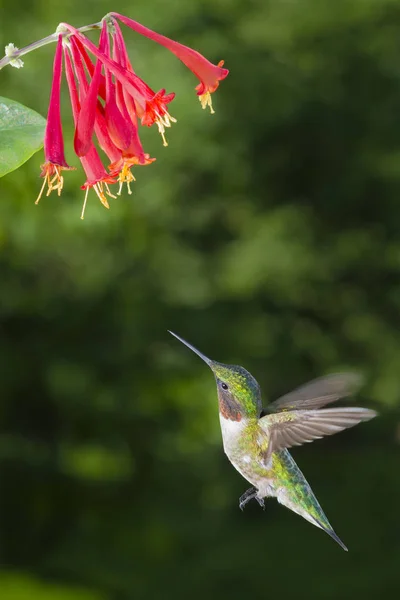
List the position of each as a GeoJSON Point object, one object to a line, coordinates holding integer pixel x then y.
{"type": "Point", "coordinates": [267, 235]}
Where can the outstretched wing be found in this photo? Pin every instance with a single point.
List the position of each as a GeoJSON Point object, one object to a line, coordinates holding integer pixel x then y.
{"type": "Point", "coordinates": [296, 427]}
{"type": "Point", "coordinates": [318, 392]}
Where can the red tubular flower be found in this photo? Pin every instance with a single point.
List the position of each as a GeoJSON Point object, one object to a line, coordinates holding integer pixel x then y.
{"type": "Point", "coordinates": [142, 94]}
{"type": "Point", "coordinates": [131, 83]}
{"type": "Point", "coordinates": [97, 176]}
{"type": "Point", "coordinates": [122, 167]}
{"type": "Point", "coordinates": [209, 75]}
{"type": "Point", "coordinates": [134, 154]}
{"type": "Point", "coordinates": [155, 109]}
{"type": "Point", "coordinates": [87, 114]}
{"type": "Point", "coordinates": [121, 161]}
{"type": "Point", "coordinates": [53, 138]}
{"type": "Point", "coordinates": [119, 130]}
{"type": "Point", "coordinates": [100, 128]}
{"type": "Point", "coordinates": [88, 63]}
{"type": "Point", "coordinates": [109, 104]}
{"type": "Point", "coordinates": [118, 124]}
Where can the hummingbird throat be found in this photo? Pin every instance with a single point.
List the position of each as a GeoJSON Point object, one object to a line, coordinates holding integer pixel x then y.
{"type": "Point", "coordinates": [229, 407]}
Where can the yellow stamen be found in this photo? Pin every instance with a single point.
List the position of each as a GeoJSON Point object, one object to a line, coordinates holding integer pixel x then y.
{"type": "Point", "coordinates": [108, 190]}
{"type": "Point", "coordinates": [205, 100]}
{"type": "Point", "coordinates": [84, 204]}
{"type": "Point", "coordinates": [167, 119]}
{"type": "Point", "coordinates": [54, 183]}
{"type": "Point", "coordinates": [98, 188]}
{"type": "Point", "coordinates": [163, 121]}
{"type": "Point", "coordinates": [161, 130]}
{"type": "Point", "coordinates": [41, 190]}
{"type": "Point", "coordinates": [125, 176]}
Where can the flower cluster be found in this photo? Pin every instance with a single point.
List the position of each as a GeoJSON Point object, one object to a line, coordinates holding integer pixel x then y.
{"type": "Point", "coordinates": [109, 102]}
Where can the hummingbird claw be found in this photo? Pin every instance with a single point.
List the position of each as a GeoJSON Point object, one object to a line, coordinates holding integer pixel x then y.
{"type": "Point", "coordinates": [260, 502]}
{"type": "Point", "coordinates": [249, 495]}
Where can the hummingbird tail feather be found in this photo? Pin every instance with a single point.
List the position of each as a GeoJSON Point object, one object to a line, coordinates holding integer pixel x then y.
{"type": "Point", "coordinates": [336, 538]}
{"type": "Point", "coordinates": [295, 493]}
{"type": "Point", "coordinates": [312, 513]}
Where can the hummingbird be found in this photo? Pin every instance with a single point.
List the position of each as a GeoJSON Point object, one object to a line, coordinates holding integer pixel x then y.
{"type": "Point", "coordinates": [256, 441]}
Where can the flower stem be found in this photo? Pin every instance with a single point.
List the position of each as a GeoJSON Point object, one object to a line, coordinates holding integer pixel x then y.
{"type": "Point", "coordinates": [17, 53]}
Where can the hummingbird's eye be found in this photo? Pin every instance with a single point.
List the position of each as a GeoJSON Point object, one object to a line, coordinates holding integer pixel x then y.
{"type": "Point", "coordinates": [224, 386]}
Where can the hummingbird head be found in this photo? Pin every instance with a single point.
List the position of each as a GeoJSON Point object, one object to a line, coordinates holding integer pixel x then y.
{"type": "Point", "coordinates": [239, 394]}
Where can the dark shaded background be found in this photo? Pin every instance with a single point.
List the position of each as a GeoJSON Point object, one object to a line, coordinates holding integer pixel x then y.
{"type": "Point", "coordinates": [267, 235]}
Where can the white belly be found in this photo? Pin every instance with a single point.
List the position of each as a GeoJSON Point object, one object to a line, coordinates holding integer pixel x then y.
{"type": "Point", "coordinates": [231, 436]}
{"type": "Point", "coordinates": [231, 431]}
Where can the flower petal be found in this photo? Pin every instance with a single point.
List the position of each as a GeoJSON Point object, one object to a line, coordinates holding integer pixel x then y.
{"type": "Point", "coordinates": [100, 127]}
{"type": "Point", "coordinates": [53, 137]}
{"type": "Point", "coordinates": [85, 124]}
{"type": "Point", "coordinates": [133, 83]}
{"type": "Point", "coordinates": [119, 128]}
{"type": "Point", "coordinates": [209, 75]}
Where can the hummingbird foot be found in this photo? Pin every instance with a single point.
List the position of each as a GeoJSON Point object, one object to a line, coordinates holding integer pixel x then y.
{"type": "Point", "coordinates": [249, 495]}
{"type": "Point", "coordinates": [261, 502]}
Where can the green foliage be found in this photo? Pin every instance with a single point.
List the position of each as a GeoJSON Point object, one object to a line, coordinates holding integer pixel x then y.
{"type": "Point", "coordinates": [20, 587]}
{"type": "Point", "coordinates": [21, 134]}
{"type": "Point", "coordinates": [267, 235]}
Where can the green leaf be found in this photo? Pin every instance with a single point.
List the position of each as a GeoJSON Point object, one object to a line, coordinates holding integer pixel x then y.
{"type": "Point", "coordinates": [21, 134]}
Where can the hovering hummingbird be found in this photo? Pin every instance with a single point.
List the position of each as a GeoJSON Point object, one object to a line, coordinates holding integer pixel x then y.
{"type": "Point", "coordinates": [256, 440]}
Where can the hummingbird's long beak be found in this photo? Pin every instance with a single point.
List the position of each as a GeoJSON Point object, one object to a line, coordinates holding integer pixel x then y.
{"type": "Point", "coordinates": [202, 356]}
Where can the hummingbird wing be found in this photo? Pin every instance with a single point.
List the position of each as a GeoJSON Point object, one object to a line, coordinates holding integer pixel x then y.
{"type": "Point", "coordinates": [318, 392]}
{"type": "Point", "coordinates": [296, 427]}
